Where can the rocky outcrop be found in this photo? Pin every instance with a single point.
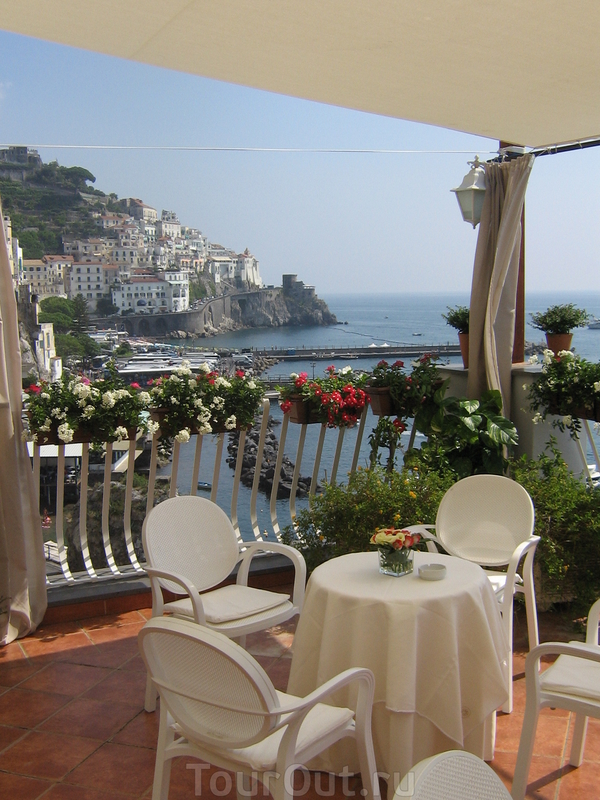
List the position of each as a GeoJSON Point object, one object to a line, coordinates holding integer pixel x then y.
{"type": "Point", "coordinates": [274, 308]}
{"type": "Point", "coordinates": [267, 467]}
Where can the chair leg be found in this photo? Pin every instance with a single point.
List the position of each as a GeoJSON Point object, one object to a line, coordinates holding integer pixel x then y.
{"type": "Point", "coordinates": [368, 766]}
{"type": "Point", "coordinates": [531, 610]}
{"type": "Point", "coordinates": [519, 785]}
{"type": "Point", "coordinates": [151, 695]}
{"type": "Point", "coordinates": [579, 732]}
{"type": "Point", "coordinates": [162, 767]}
{"type": "Point", "coordinates": [508, 627]}
{"type": "Point", "coordinates": [244, 785]}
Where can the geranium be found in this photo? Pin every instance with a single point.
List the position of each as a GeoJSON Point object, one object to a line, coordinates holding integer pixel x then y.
{"type": "Point", "coordinates": [204, 403]}
{"type": "Point", "coordinates": [101, 411]}
{"type": "Point", "coordinates": [337, 400]}
{"type": "Point", "coordinates": [567, 387]}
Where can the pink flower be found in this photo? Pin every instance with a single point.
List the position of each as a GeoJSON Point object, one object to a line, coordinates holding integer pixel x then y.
{"type": "Point", "coordinates": [239, 373]}
{"type": "Point", "coordinates": [135, 386]}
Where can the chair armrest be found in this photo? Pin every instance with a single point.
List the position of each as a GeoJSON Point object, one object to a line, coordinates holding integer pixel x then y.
{"type": "Point", "coordinates": [156, 575]}
{"type": "Point", "coordinates": [366, 692]}
{"type": "Point", "coordinates": [576, 649]}
{"type": "Point", "coordinates": [428, 533]}
{"type": "Point", "coordinates": [297, 559]}
{"type": "Point", "coordinates": [591, 634]}
{"type": "Point", "coordinates": [526, 548]}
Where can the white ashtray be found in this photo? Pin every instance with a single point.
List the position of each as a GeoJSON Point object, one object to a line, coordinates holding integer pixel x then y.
{"type": "Point", "coordinates": [432, 572]}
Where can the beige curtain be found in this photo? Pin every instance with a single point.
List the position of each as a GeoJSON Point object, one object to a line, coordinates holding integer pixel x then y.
{"type": "Point", "coordinates": [495, 273]}
{"type": "Point", "coordinates": [22, 567]}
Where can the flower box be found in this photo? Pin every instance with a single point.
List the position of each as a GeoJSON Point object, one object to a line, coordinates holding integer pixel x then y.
{"type": "Point", "coordinates": [380, 399]}
{"type": "Point", "coordinates": [303, 412]}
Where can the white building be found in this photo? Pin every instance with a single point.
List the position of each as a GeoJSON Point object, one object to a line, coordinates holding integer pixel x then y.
{"type": "Point", "coordinates": [143, 294]}
{"type": "Point", "coordinates": [47, 275]}
{"type": "Point", "coordinates": [179, 281]}
{"type": "Point", "coordinates": [247, 270]}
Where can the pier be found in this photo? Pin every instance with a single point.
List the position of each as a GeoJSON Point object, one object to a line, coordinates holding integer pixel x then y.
{"type": "Point", "coordinates": [394, 351]}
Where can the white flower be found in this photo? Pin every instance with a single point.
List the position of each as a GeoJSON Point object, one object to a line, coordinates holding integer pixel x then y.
{"type": "Point", "coordinates": [533, 360]}
{"type": "Point", "coordinates": [121, 433]}
{"type": "Point", "coordinates": [204, 416]}
{"type": "Point", "coordinates": [567, 420]}
{"type": "Point", "coordinates": [153, 426]}
{"type": "Point", "coordinates": [597, 386]}
{"type": "Point", "coordinates": [174, 401]}
{"type": "Point", "coordinates": [230, 423]}
{"type": "Point", "coordinates": [45, 396]}
{"type": "Point", "coordinates": [548, 356]}
{"type": "Point", "coordinates": [566, 354]}
{"type": "Point", "coordinates": [46, 426]}
{"type": "Point", "coordinates": [88, 411]}
{"type": "Point", "coordinates": [537, 418]}
{"type": "Point", "coordinates": [293, 375]}
{"type": "Point", "coordinates": [58, 413]}
{"type": "Point", "coordinates": [108, 399]}
{"type": "Point", "coordinates": [145, 398]}
{"type": "Point", "coordinates": [204, 367]}
{"type": "Point", "coordinates": [345, 370]}
{"type": "Point", "coordinates": [218, 403]}
{"type": "Point", "coordinates": [204, 427]}
{"type": "Point", "coordinates": [525, 387]}
{"type": "Point", "coordinates": [192, 383]}
{"type": "Point", "coordinates": [175, 378]}
{"type": "Point", "coordinates": [65, 432]}
{"type": "Point", "coordinates": [222, 382]}
{"type": "Point", "coordinates": [251, 384]}
{"type": "Point", "coordinates": [82, 390]}
{"type": "Point", "coordinates": [198, 403]}
{"type": "Point", "coordinates": [183, 436]}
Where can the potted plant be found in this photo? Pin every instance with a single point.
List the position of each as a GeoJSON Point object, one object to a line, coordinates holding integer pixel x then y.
{"type": "Point", "coordinates": [395, 547]}
{"type": "Point", "coordinates": [388, 389]}
{"type": "Point", "coordinates": [75, 409]}
{"type": "Point", "coordinates": [185, 403]}
{"type": "Point", "coordinates": [558, 322]}
{"type": "Point", "coordinates": [336, 400]}
{"type": "Point", "coordinates": [569, 387]}
{"type": "Point", "coordinates": [458, 317]}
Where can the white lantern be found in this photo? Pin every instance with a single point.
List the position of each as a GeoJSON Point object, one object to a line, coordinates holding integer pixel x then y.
{"type": "Point", "coordinates": [471, 192]}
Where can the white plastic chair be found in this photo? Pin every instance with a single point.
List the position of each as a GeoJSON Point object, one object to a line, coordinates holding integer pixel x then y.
{"type": "Point", "coordinates": [489, 519]}
{"type": "Point", "coordinates": [454, 775]}
{"type": "Point", "coordinates": [219, 705]}
{"type": "Point", "coordinates": [572, 682]}
{"type": "Point", "coordinates": [191, 547]}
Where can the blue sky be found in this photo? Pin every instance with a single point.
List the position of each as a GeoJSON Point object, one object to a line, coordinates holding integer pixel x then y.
{"type": "Point", "coordinates": [343, 222]}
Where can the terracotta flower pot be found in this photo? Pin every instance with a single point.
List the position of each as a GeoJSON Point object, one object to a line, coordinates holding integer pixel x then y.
{"type": "Point", "coordinates": [559, 341]}
{"type": "Point", "coordinates": [463, 340]}
{"type": "Point", "coordinates": [380, 399]}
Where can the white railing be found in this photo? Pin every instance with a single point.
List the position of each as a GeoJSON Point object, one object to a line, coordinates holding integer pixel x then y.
{"type": "Point", "coordinates": [58, 552]}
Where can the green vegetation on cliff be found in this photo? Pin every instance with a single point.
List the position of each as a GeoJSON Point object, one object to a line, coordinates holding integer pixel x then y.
{"type": "Point", "coordinates": [47, 204]}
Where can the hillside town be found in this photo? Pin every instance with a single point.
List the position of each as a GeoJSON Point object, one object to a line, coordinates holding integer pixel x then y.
{"type": "Point", "coordinates": [139, 262]}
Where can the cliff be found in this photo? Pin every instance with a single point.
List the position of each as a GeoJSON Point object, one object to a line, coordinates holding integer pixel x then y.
{"type": "Point", "coordinates": [274, 308]}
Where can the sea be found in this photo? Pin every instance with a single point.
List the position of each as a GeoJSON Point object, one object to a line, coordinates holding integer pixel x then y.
{"type": "Point", "coordinates": [393, 319]}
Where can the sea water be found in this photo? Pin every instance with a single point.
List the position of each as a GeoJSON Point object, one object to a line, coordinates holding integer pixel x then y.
{"type": "Point", "coordinates": [382, 318]}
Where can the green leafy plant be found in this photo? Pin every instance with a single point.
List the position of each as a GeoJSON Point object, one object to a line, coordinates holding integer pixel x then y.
{"type": "Point", "coordinates": [386, 434]}
{"type": "Point", "coordinates": [458, 317]}
{"type": "Point", "coordinates": [343, 517]}
{"type": "Point", "coordinates": [467, 436]}
{"type": "Point", "coordinates": [560, 318]}
{"type": "Point", "coordinates": [569, 386]}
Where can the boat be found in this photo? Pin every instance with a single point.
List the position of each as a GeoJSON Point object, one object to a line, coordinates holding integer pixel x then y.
{"type": "Point", "coordinates": [417, 334]}
{"type": "Point", "coordinates": [594, 323]}
{"type": "Point", "coordinates": [206, 487]}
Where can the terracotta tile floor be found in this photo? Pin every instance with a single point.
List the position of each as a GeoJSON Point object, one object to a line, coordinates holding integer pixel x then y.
{"type": "Point", "coordinates": [72, 724]}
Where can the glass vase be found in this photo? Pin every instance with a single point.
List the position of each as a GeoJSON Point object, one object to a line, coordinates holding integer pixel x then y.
{"type": "Point", "coordinates": [395, 562]}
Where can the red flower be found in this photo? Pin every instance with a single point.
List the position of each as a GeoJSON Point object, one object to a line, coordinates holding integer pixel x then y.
{"type": "Point", "coordinates": [239, 373]}
{"type": "Point", "coordinates": [382, 363]}
{"type": "Point", "coordinates": [330, 369]}
{"type": "Point", "coordinates": [286, 406]}
{"type": "Point", "coordinates": [35, 388]}
{"type": "Point", "coordinates": [399, 425]}
{"type": "Point", "coordinates": [135, 385]}
{"type": "Point", "coordinates": [398, 364]}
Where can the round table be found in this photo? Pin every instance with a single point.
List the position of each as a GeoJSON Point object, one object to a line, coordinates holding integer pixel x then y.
{"type": "Point", "coordinates": [437, 649]}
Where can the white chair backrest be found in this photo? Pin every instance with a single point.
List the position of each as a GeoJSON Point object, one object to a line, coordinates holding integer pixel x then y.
{"type": "Point", "coordinates": [212, 687]}
{"type": "Point", "coordinates": [483, 518]}
{"type": "Point", "coordinates": [455, 775]}
{"type": "Point", "coordinates": [191, 536]}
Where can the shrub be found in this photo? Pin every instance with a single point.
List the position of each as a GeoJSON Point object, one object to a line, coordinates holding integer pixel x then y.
{"type": "Point", "coordinates": [342, 519]}
{"type": "Point", "coordinates": [567, 518]}
{"type": "Point", "coordinates": [458, 317]}
{"type": "Point", "coordinates": [560, 319]}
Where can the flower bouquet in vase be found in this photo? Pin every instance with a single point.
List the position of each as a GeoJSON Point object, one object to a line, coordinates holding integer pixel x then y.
{"type": "Point", "coordinates": [395, 548]}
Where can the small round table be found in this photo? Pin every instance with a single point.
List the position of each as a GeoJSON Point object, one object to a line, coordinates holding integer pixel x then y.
{"type": "Point", "coordinates": [437, 649]}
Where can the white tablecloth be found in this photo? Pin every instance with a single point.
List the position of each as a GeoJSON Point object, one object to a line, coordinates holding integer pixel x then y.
{"type": "Point", "coordinates": [437, 649]}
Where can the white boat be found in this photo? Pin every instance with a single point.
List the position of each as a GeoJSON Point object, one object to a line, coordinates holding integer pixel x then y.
{"type": "Point", "coordinates": [594, 323]}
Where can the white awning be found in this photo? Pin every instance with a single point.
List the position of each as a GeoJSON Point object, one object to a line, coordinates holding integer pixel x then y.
{"type": "Point", "coordinates": [525, 72]}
